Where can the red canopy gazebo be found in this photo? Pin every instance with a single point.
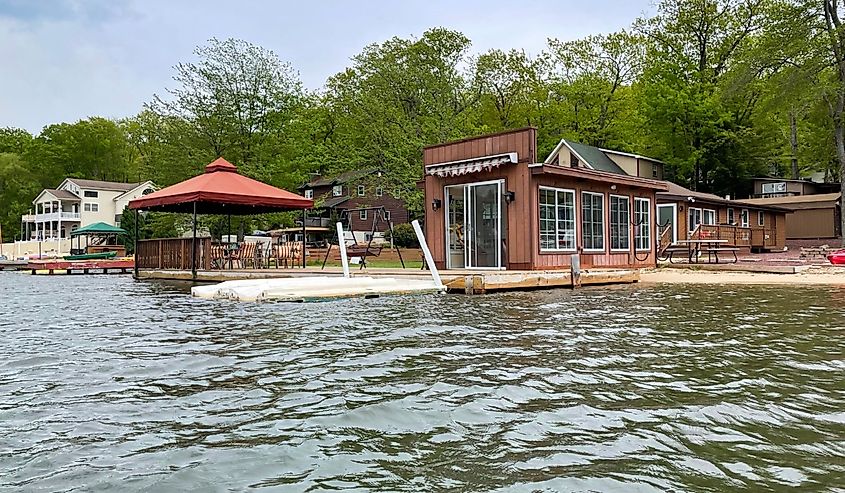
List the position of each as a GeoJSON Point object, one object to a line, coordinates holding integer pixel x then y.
{"type": "Point", "coordinates": [220, 190]}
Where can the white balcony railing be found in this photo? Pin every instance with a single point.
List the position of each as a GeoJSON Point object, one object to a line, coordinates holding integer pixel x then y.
{"type": "Point", "coordinates": [56, 216]}
{"type": "Point", "coordinates": [28, 218]}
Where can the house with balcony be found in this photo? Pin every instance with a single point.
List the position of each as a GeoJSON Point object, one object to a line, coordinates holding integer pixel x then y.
{"type": "Point", "coordinates": [364, 200]}
{"type": "Point", "coordinates": [76, 203]}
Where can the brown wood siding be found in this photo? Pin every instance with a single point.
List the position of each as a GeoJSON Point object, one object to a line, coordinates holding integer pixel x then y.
{"type": "Point", "coordinates": [516, 255]}
{"type": "Point", "coordinates": [519, 141]}
{"type": "Point", "coordinates": [811, 223]}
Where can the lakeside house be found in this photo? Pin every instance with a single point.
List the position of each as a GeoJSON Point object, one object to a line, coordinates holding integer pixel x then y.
{"type": "Point", "coordinates": [348, 195]}
{"type": "Point", "coordinates": [682, 213]}
{"type": "Point", "coordinates": [490, 203]}
{"type": "Point", "coordinates": [76, 203]}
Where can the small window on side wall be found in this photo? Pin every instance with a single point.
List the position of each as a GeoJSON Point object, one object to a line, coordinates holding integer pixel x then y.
{"type": "Point", "coordinates": [361, 190]}
{"type": "Point", "coordinates": [91, 194]}
{"type": "Point", "coordinates": [761, 221]}
{"type": "Point", "coordinates": [362, 215]}
{"type": "Point", "coordinates": [337, 190]}
{"type": "Point", "coordinates": [379, 192]}
{"type": "Point", "coordinates": [309, 193]}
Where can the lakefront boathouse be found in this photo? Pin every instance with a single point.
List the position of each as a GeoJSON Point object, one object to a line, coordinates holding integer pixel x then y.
{"type": "Point", "coordinates": [491, 204]}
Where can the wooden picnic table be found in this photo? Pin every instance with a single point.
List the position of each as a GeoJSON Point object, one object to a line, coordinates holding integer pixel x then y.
{"type": "Point", "coordinates": [694, 248]}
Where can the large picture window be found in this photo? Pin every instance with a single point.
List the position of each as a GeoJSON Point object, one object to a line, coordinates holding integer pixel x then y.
{"type": "Point", "coordinates": [557, 219]}
{"type": "Point", "coordinates": [642, 219]}
{"type": "Point", "coordinates": [620, 221]}
{"type": "Point", "coordinates": [592, 221]}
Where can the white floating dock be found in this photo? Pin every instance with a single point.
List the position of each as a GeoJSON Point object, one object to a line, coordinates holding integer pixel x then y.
{"type": "Point", "coordinates": [306, 288]}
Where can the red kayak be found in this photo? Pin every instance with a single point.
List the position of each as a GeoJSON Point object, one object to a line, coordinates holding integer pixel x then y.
{"type": "Point", "coordinates": [837, 257]}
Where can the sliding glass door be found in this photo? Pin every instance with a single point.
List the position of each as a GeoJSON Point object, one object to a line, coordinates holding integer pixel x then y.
{"type": "Point", "coordinates": [474, 226]}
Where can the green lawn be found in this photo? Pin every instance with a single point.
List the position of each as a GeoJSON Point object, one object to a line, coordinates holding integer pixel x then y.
{"type": "Point", "coordinates": [372, 263]}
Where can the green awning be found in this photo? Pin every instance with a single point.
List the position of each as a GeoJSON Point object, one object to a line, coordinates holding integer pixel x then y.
{"type": "Point", "coordinates": [98, 229]}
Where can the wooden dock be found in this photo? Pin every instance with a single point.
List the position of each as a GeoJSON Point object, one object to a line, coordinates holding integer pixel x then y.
{"type": "Point", "coordinates": [457, 281]}
{"type": "Point", "coordinates": [80, 267]}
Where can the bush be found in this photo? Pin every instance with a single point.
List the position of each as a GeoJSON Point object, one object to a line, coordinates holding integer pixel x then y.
{"type": "Point", "coordinates": [403, 236]}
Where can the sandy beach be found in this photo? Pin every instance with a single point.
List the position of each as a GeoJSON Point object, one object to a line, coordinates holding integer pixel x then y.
{"type": "Point", "coordinates": [812, 275]}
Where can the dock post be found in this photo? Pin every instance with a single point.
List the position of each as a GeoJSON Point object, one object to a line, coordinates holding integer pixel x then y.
{"type": "Point", "coordinates": [575, 270]}
{"type": "Point", "coordinates": [468, 285]}
{"type": "Point", "coordinates": [342, 245]}
{"type": "Point", "coordinates": [427, 253]}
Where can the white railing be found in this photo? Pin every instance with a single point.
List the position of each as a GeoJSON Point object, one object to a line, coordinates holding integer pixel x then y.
{"type": "Point", "coordinates": [56, 216]}
{"type": "Point", "coordinates": [28, 218]}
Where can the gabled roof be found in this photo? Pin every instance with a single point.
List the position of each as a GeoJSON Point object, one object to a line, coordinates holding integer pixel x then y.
{"type": "Point", "coordinates": [147, 183]}
{"type": "Point", "coordinates": [592, 157]}
{"type": "Point", "coordinates": [59, 194]}
{"type": "Point", "coordinates": [340, 179]}
{"type": "Point", "coordinates": [100, 228]}
{"type": "Point", "coordinates": [102, 185]}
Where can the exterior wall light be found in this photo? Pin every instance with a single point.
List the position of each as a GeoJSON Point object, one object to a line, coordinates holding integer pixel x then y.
{"type": "Point", "coordinates": [510, 196]}
{"type": "Point", "coordinates": [436, 203]}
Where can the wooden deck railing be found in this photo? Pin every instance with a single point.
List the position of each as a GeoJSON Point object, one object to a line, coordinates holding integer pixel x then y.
{"type": "Point", "coordinates": [754, 237]}
{"type": "Point", "coordinates": [172, 253]}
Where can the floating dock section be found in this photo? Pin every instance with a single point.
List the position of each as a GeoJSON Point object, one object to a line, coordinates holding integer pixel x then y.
{"type": "Point", "coordinates": [313, 288]}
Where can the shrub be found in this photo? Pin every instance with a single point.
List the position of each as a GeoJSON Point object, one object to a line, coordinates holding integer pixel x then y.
{"type": "Point", "coordinates": [404, 236]}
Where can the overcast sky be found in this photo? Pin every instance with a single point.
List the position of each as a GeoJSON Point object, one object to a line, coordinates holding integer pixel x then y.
{"type": "Point", "coordinates": [63, 60]}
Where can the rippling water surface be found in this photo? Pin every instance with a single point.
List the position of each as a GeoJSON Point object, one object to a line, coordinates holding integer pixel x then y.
{"type": "Point", "coordinates": [111, 385]}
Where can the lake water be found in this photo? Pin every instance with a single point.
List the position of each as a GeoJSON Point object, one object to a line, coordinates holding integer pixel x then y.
{"type": "Point", "coordinates": [111, 385]}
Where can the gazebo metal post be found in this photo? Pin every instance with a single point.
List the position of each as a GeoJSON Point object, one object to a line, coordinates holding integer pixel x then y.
{"type": "Point", "coordinates": [135, 246]}
{"type": "Point", "coordinates": [304, 219]}
{"type": "Point", "coordinates": [194, 246]}
{"type": "Point", "coordinates": [228, 247]}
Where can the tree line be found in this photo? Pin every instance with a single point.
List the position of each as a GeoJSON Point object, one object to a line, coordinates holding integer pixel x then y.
{"type": "Point", "coordinates": [720, 90]}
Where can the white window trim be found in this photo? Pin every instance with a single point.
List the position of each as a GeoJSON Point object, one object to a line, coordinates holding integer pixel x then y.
{"type": "Point", "coordinates": [337, 190]}
{"type": "Point", "coordinates": [610, 218]}
{"type": "Point", "coordinates": [575, 219]}
{"type": "Point", "coordinates": [647, 224]}
{"type": "Point", "coordinates": [387, 215]}
{"type": "Point", "coordinates": [744, 218]}
{"type": "Point", "coordinates": [715, 217]}
{"type": "Point", "coordinates": [309, 193]}
{"type": "Point", "coordinates": [690, 227]}
{"type": "Point", "coordinates": [603, 224]}
{"type": "Point", "coordinates": [361, 190]}
{"type": "Point", "coordinates": [362, 215]}
{"type": "Point", "coordinates": [379, 191]}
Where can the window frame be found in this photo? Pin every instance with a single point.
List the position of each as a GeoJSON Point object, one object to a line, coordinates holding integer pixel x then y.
{"type": "Point", "coordinates": [690, 210]}
{"type": "Point", "coordinates": [713, 213]}
{"type": "Point", "coordinates": [362, 191]}
{"type": "Point", "coordinates": [730, 217]}
{"type": "Point", "coordinates": [557, 232]}
{"type": "Point", "coordinates": [90, 194]}
{"type": "Point", "coordinates": [362, 215]}
{"type": "Point", "coordinates": [603, 225]}
{"type": "Point", "coordinates": [627, 225]}
{"type": "Point", "coordinates": [379, 191]}
{"type": "Point", "coordinates": [309, 193]}
{"type": "Point", "coordinates": [337, 190]}
{"type": "Point", "coordinates": [386, 215]}
{"type": "Point", "coordinates": [744, 218]}
{"type": "Point", "coordinates": [761, 218]}
{"type": "Point", "coordinates": [647, 224]}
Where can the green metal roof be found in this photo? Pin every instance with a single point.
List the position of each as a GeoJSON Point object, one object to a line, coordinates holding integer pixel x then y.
{"type": "Point", "coordinates": [594, 157]}
{"type": "Point", "coordinates": [98, 229]}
